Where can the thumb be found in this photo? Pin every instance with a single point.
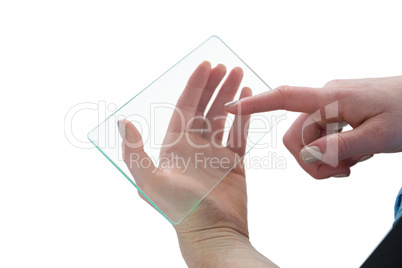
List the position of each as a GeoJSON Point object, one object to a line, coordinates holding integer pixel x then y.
{"type": "Point", "coordinates": [136, 159]}
{"type": "Point", "coordinates": [335, 147]}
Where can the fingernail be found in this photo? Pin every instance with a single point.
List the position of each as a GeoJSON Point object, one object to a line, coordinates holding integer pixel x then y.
{"type": "Point", "coordinates": [122, 129]}
{"type": "Point", "coordinates": [341, 176]}
{"type": "Point", "coordinates": [221, 66]}
{"type": "Point", "coordinates": [364, 158]}
{"type": "Point", "coordinates": [231, 103]}
{"type": "Point", "coordinates": [310, 154]}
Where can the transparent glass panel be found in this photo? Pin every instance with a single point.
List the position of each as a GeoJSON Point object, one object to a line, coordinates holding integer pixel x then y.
{"type": "Point", "coordinates": [174, 144]}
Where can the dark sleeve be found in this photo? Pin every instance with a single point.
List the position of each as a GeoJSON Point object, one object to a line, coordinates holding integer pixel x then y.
{"type": "Point", "coordinates": [389, 251]}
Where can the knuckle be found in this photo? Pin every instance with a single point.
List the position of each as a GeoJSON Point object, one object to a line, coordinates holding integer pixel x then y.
{"type": "Point", "coordinates": [291, 144]}
{"type": "Point", "coordinates": [316, 175]}
{"type": "Point", "coordinates": [339, 93]}
{"type": "Point", "coordinates": [286, 140]}
{"type": "Point", "coordinates": [284, 89]}
{"type": "Point", "coordinates": [253, 107]}
{"type": "Point", "coordinates": [341, 89]}
{"type": "Point", "coordinates": [284, 92]}
{"type": "Point", "coordinates": [335, 82]}
{"type": "Point", "coordinates": [344, 145]}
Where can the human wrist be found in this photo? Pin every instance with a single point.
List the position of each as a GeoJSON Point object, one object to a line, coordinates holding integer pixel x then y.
{"type": "Point", "coordinates": [220, 247]}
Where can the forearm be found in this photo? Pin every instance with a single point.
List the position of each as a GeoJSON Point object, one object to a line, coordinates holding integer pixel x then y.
{"type": "Point", "coordinates": [220, 248]}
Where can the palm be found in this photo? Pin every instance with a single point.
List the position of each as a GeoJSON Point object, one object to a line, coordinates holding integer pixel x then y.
{"type": "Point", "coordinates": [192, 160]}
{"type": "Point", "coordinates": [196, 179]}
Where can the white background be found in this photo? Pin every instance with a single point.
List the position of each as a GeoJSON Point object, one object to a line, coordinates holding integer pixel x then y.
{"type": "Point", "coordinates": [61, 206]}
